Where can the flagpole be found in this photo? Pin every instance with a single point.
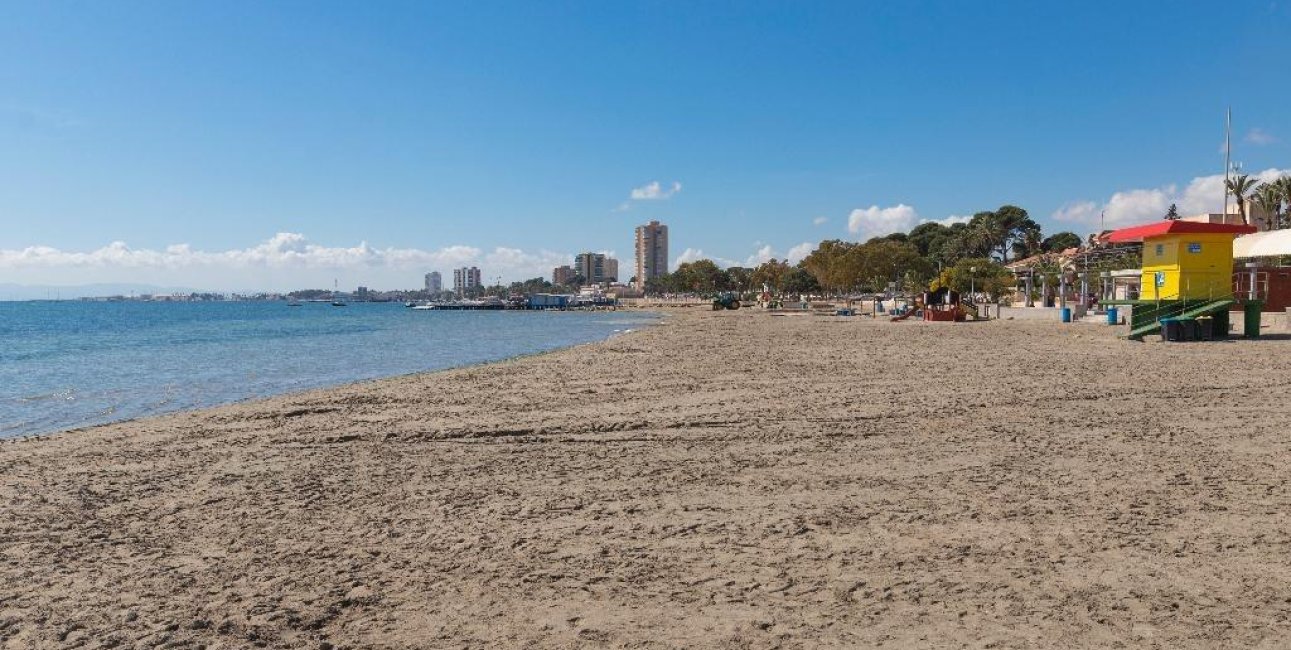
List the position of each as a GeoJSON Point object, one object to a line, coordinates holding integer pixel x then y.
{"type": "Point", "coordinates": [1228, 150]}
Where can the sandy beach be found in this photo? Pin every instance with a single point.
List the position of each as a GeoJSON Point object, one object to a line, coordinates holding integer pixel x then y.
{"type": "Point", "coordinates": [725, 479]}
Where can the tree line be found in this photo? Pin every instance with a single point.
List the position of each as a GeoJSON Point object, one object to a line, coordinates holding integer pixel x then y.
{"type": "Point", "coordinates": [971, 254]}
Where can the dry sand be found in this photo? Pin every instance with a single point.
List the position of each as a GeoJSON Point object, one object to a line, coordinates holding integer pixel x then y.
{"type": "Point", "coordinates": [728, 480]}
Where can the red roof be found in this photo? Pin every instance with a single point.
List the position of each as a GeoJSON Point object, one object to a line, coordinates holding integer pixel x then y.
{"type": "Point", "coordinates": [1175, 227]}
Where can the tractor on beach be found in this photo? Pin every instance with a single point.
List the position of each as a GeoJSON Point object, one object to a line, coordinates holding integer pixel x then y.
{"type": "Point", "coordinates": [726, 300]}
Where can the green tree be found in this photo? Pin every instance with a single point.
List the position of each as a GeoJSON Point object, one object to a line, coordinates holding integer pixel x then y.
{"type": "Point", "coordinates": [739, 278]}
{"type": "Point", "coordinates": [799, 280]}
{"type": "Point", "coordinates": [1240, 186]}
{"type": "Point", "coordinates": [1268, 198]}
{"type": "Point", "coordinates": [1007, 226]}
{"type": "Point", "coordinates": [1283, 186]}
{"type": "Point", "coordinates": [981, 274]}
{"type": "Point", "coordinates": [531, 286]}
{"type": "Point", "coordinates": [882, 261]}
{"type": "Point", "coordinates": [972, 239]}
{"type": "Point", "coordinates": [1060, 242]}
{"type": "Point", "coordinates": [771, 273]}
{"type": "Point", "coordinates": [1173, 213]}
{"type": "Point", "coordinates": [700, 276]}
{"type": "Point", "coordinates": [1028, 244]}
{"type": "Point", "coordinates": [834, 264]}
{"type": "Point", "coordinates": [928, 238]}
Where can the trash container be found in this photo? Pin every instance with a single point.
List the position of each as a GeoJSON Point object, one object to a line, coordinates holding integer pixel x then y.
{"type": "Point", "coordinates": [1066, 314]}
{"type": "Point", "coordinates": [1205, 328]}
{"type": "Point", "coordinates": [1188, 329]}
{"type": "Point", "coordinates": [1171, 330]}
{"type": "Point", "coordinates": [1251, 320]}
{"type": "Point", "coordinates": [1112, 316]}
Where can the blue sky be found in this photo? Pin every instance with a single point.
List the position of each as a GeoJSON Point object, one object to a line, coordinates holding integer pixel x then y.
{"type": "Point", "coordinates": [511, 134]}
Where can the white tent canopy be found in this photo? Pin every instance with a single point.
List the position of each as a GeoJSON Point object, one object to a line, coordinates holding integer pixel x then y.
{"type": "Point", "coordinates": [1263, 244]}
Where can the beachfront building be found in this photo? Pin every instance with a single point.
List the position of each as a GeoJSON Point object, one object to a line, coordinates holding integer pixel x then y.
{"type": "Point", "coordinates": [466, 280]}
{"type": "Point", "coordinates": [591, 266]}
{"type": "Point", "coordinates": [652, 252]}
{"type": "Point", "coordinates": [434, 282]}
{"type": "Point", "coordinates": [562, 275]}
{"type": "Point", "coordinates": [596, 268]}
{"type": "Point", "coordinates": [1251, 214]}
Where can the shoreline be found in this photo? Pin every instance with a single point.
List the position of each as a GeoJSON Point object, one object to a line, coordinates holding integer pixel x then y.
{"type": "Point", "coordinates": [724, 479]}
{"type": "Point", "coordinates": [658, 314]}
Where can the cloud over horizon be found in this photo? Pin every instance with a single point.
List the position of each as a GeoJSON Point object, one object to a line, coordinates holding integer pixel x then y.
{"type": "Point", "coordinates": [761, 254]}
{"type": "Point", "coordinates": [282, 262]}
{"type": "Point", "coordinates": [1202, 194]}
{"type": "Point", "coordinates": [875, 221]}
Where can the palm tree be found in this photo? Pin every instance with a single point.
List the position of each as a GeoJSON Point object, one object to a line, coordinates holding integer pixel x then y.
{"type": "Point", "coordinates": [1239, 186]}
{"type": "Point", "coordinates": [1268, 198]}
{"type": "Point", "coordinates": [1283, 187]}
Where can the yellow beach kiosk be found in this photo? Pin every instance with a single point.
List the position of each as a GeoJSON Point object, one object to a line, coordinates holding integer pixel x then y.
{"type": "Point", "coordinates": [1187, 274]}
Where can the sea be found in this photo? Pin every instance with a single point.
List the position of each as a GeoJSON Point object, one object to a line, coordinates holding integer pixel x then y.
{"type": "Point", "coordinates": [71, 364]}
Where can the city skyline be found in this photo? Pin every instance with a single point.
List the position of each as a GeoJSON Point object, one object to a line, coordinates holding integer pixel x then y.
{"type": "Point", "coordinates": [372, 146]}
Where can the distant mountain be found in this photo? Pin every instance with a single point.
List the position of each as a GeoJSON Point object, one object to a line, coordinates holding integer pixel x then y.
{"type": "Point", "coordinates": [10, 291]}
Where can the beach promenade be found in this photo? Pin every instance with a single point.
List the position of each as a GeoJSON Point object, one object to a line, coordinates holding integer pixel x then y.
{"type": "Point", "coordinates": [725, 479]}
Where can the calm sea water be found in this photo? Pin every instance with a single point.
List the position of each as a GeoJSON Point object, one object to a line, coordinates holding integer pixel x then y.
{"type": "Point", "coordinates": [65, 365]}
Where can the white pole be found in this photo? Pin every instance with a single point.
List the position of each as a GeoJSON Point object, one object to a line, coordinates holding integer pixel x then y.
{"type": "Point", "coordinates": [1228, 150]}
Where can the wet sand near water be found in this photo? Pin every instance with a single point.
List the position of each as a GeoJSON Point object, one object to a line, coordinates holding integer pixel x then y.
{"type": "Point", "coordinates": [725, 479]}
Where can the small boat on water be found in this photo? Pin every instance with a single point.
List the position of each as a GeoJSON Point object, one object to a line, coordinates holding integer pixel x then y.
{"type": "Point", "coordinates": [336, 299]}
{"type": "Point", "coordinates": [293, 303]}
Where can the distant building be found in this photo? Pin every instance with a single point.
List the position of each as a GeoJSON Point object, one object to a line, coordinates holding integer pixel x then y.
{"type": "Point", "coordinates": [1254, 215]}
{"type": "Point", "coordinates": [652, 252]}
{"type": "Point", "coordinates": [563, 275]}
{"type": "Point", "coordinates": [596, 268]}
{"type": "Point", "coordinates": [465, 280]}
{"type": "Point", "coordinates": [591, 266]}
{"type": "Point", "coordinates": [434, 282]}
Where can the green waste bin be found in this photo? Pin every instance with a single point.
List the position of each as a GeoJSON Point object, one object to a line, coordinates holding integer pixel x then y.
{"type": "Point", "coordinates": [1205, 328]}
{"type": "Point", "coordinates": [1171, 329]}
{"type": "Point", "coordinates": [1251, 318]}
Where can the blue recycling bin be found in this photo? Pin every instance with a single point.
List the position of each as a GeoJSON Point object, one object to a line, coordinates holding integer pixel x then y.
{"type": "Point", "coordinates": [1112, 316]}
{"type": "Point", "coordinates": [1066, 314]}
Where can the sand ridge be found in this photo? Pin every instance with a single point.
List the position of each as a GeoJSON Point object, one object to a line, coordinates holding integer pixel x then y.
{"type": "Point", "coordinates": [725, 479]}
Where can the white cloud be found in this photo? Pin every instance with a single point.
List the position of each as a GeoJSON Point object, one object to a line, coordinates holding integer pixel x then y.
{"type": "Point", "coordinates": [653, 191]}
{"type": "Point", "coordinates": [1133, 206]}
{"type": "Point", "coordinates": [1202, 194]}
{"type": "Point", "coordinates": [820, 221]}
{"type": "Point", "coordinates": [1258, 136]}
{"type": "Point", "coordinates": [284, 261]}
{"type": "Point", "coordinates": [949, 221]}
{"type": "Point", "coordinates": [688, 255]}
{"type": "Point", "coordinates": [797, 253]}
{"type": "Point", "coordinates": [763, 254]}
{"type": "Point", "coordinates": [1079, 212]}
{"type": "Point", "coordinates": [876, 222]}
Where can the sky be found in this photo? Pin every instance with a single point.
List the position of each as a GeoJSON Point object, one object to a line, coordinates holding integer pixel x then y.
{"type": "Point", "coordinates": [240, 145]}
